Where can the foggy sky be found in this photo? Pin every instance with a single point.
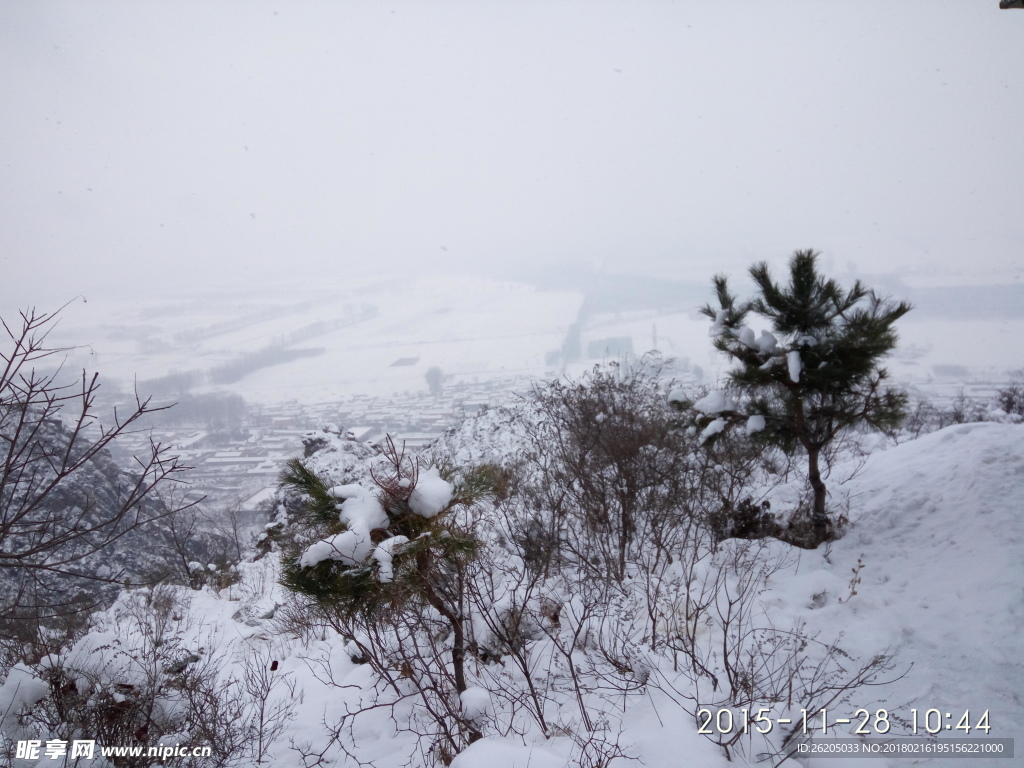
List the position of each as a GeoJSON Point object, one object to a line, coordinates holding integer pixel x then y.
{"type": "Point", "coordinates": [144, 146]}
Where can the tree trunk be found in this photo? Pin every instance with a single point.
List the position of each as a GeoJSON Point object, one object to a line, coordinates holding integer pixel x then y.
{"type": "Point", "coordinates": [819, 518]}
{"type": "Point", "coordinates": [458, 638]}
{"type": "Point", "coordinates": [820, 531]}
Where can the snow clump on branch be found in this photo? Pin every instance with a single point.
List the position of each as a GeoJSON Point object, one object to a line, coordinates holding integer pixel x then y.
{"type": "Point", "coordinates": [432, 494]}
{"type": "Point", "coordinates": [362, 512]}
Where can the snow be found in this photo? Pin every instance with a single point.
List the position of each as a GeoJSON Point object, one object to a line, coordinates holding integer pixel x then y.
{"type": "Point", "coordinates": [349, 547]}
{"type": "Point", "coordinates": [504, 753]}
{"type": "Point", "coordinates": [99, 655]}
{"type": "Point", "coordinates": [714, 402]}
{"type": "Point", "coordinates": [261, 496]}
{"type": "Point", "coordinates": [716, 426]}
{"type": "Point", "coordinates": [935, 523]}
{"type": "Point", "coordinates": [718, 327]}
{"type": "Point", "coordinates": [747, 338]}
{"type": "Point", "coordinates": [767, 344]}
{"type": "Point", "coordinates": [21, 688]}
{"type": "Point", "coordinates": [384, 555]}
{"type": "Point", "coordinates": [432, 493]}
{"type": "Point", "coordinates": [363, 510]}
{"type": "Point", "coordinates": [942, 539]}
{"type": "Point", "coordinates": [755, 424]}
{"type": "Point", "coordinates": [476, 702]}
{"type": "Point", "coordinates": [678, 396]}
{"type": "Point", "coordinates": [348, 491]}
{"type": "Point", "coordinates": [793, 361]}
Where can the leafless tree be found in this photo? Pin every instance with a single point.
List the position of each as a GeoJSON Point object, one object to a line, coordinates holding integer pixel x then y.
{"type": "Point", "coordinates": [63, 499]}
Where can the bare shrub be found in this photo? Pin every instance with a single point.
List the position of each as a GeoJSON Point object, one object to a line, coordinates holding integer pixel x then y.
{"type": "Point", "coordinates": [149, 672]}
{"type": "Point", "coordinates": [1010, 398]}
{"type": "Point", "coordinates": [925, 416]}
{"type": "Point", "coordinates": [603, 459]}
{"type": "Point", "coordinates": [727, 654]}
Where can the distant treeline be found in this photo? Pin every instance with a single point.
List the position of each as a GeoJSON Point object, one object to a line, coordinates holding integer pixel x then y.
{"type": "Point", "coordinates": [237, 323]}
{"type": "Point", "coordinates": [216, 411]}
{"type": "Point", "coordinates": [174, 383]}
{"type": "Point", "coordinates": [178, 383]}
{"type": "Point", "coordinates": [321, 327]}
{"type": "Point", "coordinates": [235, 370]}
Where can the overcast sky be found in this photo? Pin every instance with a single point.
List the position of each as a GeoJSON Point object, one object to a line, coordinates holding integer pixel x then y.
{"type": "Point", "coordinates": [149, 145]}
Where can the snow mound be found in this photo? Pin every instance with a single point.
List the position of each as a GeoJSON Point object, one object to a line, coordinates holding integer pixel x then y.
{"type": "Point", "coordinates": [677, 395]}
{"type": "Point", "coordinates": [795, 365]}
{"type": "Point", "coordinates": [432, 493]}
{"type": "Point", "coordinates": [21, 689]}
{"type": "Point", "coordinates": [716, 426]}
{"type": "Point", "coordinates": [476, 702]}
{"type": "Point", "coordinates": [496, 753]}
{"type": "Point", "coordinates": [755, 424]}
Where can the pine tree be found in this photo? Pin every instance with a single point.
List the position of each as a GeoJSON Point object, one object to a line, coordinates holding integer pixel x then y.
{"type": "Point", "coordinates": [814, 376]}
{"type": "Point", "coordinates": [404, 580]}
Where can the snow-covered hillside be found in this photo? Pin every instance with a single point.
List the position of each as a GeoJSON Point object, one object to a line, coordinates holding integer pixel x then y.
{"type": "Point", "coordinates": [939, 525]}
{"type": "Point", "coordinates": [931, 568]}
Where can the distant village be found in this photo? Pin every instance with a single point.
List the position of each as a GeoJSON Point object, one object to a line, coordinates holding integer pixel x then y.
{"type": "Point", "coordinates": [237, 468]}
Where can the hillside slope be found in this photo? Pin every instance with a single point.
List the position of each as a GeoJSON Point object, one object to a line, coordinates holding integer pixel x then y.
{"type": "Point", "coordinates": [939, 524]}
{"type": "Point", "coordinates": [937, 527]}
{"type": "Point", "coordinates": [931, 567]}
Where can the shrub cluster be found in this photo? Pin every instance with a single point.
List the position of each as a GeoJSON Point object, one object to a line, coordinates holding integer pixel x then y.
{"type": "Point", "coordinates": [600, 552]}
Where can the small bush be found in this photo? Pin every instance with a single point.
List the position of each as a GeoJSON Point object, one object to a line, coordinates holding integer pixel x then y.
{"type": "Point", "coordinates": [148, 672]}
{"type": "Point", "coordinates": [1011, 397]}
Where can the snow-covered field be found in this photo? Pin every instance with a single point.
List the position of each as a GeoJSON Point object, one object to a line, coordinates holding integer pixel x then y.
{"type": "Point", "coordinates": [472, 328]}
{"type": "Point", "coordinates": [370, 336]}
